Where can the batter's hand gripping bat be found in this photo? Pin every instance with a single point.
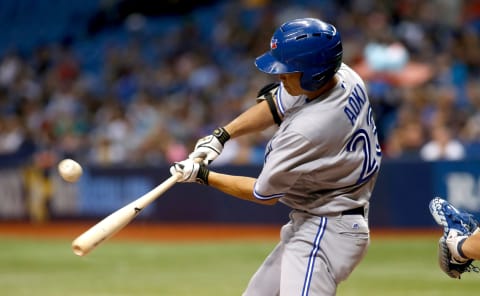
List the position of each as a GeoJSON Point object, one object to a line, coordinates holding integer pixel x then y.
{"type": "Point", "coordinates": [111, 224]}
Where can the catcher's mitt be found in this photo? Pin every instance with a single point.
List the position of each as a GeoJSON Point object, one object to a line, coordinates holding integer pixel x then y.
{"type": "Point", "coordinates": [452, 269]}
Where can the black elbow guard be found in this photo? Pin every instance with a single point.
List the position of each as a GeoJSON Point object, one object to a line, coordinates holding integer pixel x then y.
{"type": "Point", "coordinates": [267, 89]}
{"type": "Point", "coordinates": [267, 93]}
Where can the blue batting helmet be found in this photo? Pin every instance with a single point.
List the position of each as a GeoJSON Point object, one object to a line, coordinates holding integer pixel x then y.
{"type": "Point", "coordinates": [306, 45]}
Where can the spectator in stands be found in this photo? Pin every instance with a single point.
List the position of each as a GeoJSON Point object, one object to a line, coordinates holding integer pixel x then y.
{"type": "Point", "coordinates": [12, 134]}
{"type": "Point", "coordinates": [442, 145]}
{"type": "Point", "coordinates": [77, 75]}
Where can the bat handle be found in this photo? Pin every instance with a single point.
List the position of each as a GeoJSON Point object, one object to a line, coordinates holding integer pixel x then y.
{"type": "Point", "coordinates": [178, 175]}
{"type": "Point", "coordinates": [196, 160]}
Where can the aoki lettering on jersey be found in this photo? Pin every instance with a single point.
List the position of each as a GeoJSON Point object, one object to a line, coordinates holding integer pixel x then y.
{"type": "Point", "coordinates": [355, 103]}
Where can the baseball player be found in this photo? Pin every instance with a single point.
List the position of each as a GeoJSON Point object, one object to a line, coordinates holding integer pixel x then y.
{"type": "Point", "coordinates": [322, 161]}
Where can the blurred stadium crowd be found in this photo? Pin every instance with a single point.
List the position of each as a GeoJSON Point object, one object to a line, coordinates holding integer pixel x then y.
{"type": "Point", "coordinates": [132, 83]}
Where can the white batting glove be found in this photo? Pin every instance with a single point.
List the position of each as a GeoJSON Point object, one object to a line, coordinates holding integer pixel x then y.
{"type": "Point", "coordinates": [190, 171]}
{"type": "Point", "coordinates": [209, 148]}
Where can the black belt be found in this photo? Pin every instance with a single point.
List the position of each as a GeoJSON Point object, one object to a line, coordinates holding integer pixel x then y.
{"type": "Point", "coordinates": [356, 211]}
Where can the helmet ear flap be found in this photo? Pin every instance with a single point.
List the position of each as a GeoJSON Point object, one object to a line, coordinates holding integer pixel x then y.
{"type": "Point", "coordinates": [313, 82]}
{"type": "Point", "coordinates": [320, 80]}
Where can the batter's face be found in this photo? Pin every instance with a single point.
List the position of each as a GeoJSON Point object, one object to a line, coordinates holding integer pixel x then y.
{"type": "Point", "coordinates": [291, 82]}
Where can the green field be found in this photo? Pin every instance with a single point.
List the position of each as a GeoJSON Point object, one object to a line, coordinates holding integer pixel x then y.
{"type": "Point", "coordinates": [48, 267]}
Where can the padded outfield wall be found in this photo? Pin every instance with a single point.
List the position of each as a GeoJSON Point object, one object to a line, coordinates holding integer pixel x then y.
{"type": "Point", "coordinates": [400, 199]}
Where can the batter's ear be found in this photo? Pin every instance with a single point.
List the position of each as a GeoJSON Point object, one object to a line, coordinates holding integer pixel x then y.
{"type": "Point", "coordinates": [267, 93]}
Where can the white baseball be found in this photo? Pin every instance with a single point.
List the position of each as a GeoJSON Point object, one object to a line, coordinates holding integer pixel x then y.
{"type": "Point", "coordinates": [70, 170]}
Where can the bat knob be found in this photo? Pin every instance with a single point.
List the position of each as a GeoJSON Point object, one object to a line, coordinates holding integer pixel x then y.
{"type": "Point", "coordinates": [77, 250]}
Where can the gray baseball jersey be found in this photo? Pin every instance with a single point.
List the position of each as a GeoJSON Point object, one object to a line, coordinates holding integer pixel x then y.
{"type": "Point", "coordinates": [325, 155]}
{"type": "Point", "coordinates": [322, 161]}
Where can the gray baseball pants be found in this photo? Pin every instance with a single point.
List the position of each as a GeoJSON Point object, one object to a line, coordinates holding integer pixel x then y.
{"type": "Point", "coordinates": [313, 256]}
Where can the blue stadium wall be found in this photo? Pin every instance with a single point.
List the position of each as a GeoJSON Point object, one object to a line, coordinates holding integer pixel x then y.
{"type": "Point", "coordinates": [400, 199]}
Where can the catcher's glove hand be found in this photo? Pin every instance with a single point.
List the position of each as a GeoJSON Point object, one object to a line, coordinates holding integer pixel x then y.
{"type": "Point", "coordinates": [451, 268]}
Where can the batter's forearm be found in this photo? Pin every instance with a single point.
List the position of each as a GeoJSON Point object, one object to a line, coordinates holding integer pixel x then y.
{"type": "Point", "coordinates": [255, 119]}
{"type": "Point", "coordinates": [471, 247]}
{"type": "Point", "coordinates": [237, 186]}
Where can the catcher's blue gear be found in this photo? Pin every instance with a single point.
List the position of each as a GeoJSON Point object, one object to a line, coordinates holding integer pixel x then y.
{"type": "Point", "coordinates": [305, 45]}
{"type": "Point", "coordinates": [449, 217]}
{"type": "Point", "coordinates": [464, 223]}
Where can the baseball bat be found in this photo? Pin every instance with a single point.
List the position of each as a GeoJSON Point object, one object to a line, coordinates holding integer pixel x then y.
{"type": "Point", "coordinates": [111, 224]}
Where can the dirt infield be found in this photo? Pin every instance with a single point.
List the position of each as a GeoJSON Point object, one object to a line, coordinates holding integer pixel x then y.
{"type": "Point", "coordinates": [145, 231]}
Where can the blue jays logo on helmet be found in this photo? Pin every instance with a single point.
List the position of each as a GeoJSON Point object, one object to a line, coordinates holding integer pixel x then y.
{"type": "Point", "coordinates": [306, 45]}
{"type": "Point", "coordinates": [273, 43]}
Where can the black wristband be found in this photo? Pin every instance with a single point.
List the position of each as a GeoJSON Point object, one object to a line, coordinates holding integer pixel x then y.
{"type": "Point", "coordinates": [221, 134]}
{"type": "Point", "coordinates": [459, 248]}
{"type": "Point", "coordinates": [202, 176]}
